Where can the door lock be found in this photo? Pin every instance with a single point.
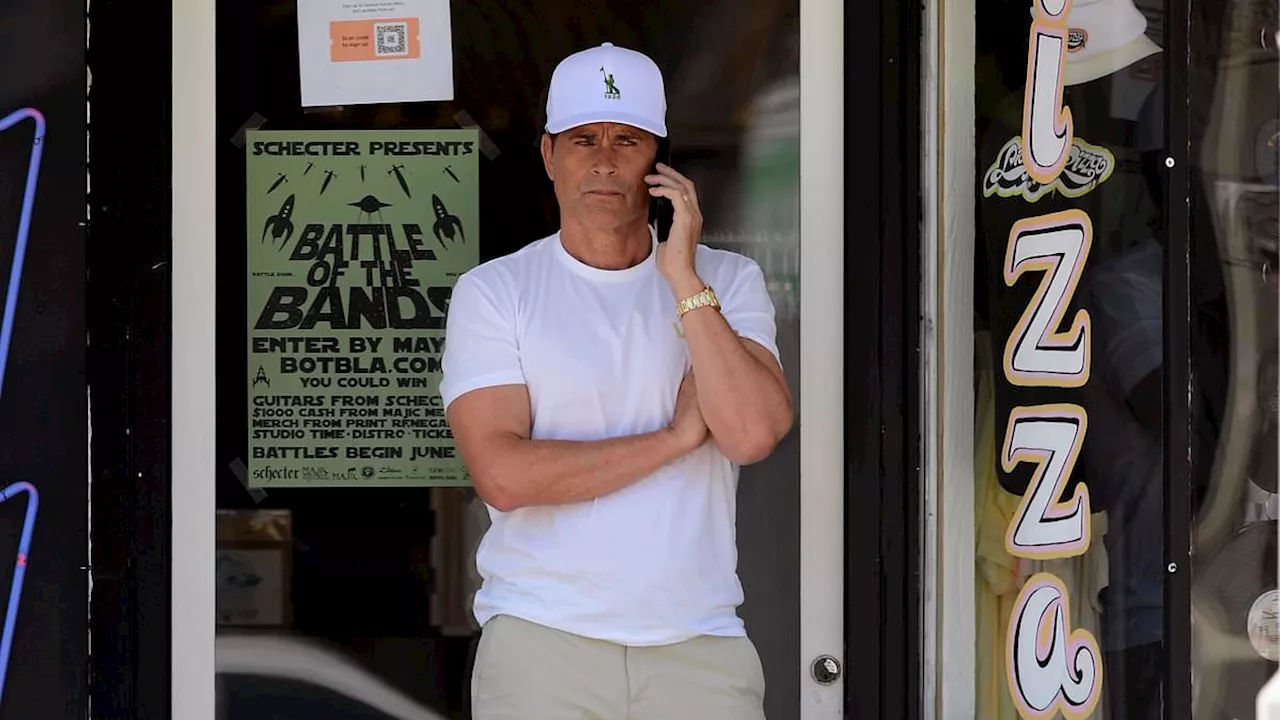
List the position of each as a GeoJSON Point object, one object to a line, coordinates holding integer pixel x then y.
{"type": "Point", "coordinates": [826, 669]}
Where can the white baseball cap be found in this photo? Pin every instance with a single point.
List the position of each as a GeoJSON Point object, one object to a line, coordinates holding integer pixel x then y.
{"type": "Point", "coordinates": [1104, 36]}
{"type": "Point", "coordinates": [607, 84]}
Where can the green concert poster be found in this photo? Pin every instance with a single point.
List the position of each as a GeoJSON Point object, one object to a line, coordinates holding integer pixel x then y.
{"type": "Point", "coordinates": [356, 239]}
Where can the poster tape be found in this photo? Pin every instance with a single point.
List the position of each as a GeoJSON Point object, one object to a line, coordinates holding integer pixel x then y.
{"type": "Point", "coordinates": [254, 122]}
{"type": "Point", "coordinates": [487, 145]}
{"type": "Point", "coordinates": [242, 474]}
{"type": "Point", "coordinates": [319, 109]}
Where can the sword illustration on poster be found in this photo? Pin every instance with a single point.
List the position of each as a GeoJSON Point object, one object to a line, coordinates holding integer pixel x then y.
{"type": "Point", "coordinates": [350, 274]}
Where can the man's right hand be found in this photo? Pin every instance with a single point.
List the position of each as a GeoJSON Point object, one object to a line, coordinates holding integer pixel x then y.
{"type": "Point", "coordinates": [688, 426]}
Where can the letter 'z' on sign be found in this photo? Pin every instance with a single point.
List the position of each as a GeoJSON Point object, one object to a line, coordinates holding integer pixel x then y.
{"type": "Point", "coordinates": [6, 337]}
{"type": "Point", "coordinates": [1049, 437]}
{"type": "Point", "coordinates": [1036, 354]}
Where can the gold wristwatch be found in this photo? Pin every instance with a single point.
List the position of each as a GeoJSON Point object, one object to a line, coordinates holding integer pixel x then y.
{"type": "Point", "coordinates": [706, 298]}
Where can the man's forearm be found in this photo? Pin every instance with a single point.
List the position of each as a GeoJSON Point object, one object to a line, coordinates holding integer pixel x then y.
{"type": "Point", "coordinates": [523, 473]}
{"type": "Point", "coordinates": [746, 407]}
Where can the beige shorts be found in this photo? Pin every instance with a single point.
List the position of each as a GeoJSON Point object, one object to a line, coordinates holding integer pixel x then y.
{"type": "Point", "coordinates": [532, 672]}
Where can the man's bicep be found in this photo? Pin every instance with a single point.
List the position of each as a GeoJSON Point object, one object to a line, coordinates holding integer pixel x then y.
{"type": "Point", "coordinates": [749, 311]}
{"type": "Point", "coordinates": [765, 356]}
{"type": "Point", "coordinates": [480, 418]}
{"type": "Point", "coordinates": [485, 424]}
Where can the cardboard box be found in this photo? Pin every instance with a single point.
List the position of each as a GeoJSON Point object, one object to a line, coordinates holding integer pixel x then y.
{"type": "Point", "coordinates": [254, 563]}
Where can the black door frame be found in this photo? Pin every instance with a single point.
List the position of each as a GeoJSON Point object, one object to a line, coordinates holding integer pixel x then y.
{"type": "Point", "coordinates": [129, 359]}
{"type": "Point", "coordinates": [883, 612]}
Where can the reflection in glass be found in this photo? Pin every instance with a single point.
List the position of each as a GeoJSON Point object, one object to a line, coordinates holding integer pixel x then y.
{"type": "Point", "coordinates": [1235, 125]}
{"type": "Point", "coordinates": [380, 579]}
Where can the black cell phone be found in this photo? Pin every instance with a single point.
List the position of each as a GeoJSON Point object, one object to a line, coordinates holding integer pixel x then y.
{"type": "Point", "coordinates": [660, 210]}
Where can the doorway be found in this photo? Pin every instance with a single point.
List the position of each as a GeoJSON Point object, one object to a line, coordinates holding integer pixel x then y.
{"type": "Point", "coordinates": [377, 580]}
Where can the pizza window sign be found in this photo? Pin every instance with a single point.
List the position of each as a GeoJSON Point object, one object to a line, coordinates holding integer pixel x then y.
{"type": "Point", "coordinates": [1068, 470]}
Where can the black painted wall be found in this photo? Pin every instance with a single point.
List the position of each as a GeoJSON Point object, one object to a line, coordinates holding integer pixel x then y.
{"type": "Point", "coordinates": [43, 407]}
{"type": "Point", "coordinates": [128, 348]}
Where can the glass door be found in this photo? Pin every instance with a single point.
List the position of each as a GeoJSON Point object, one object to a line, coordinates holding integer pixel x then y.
{"type": "Point", "coordinates": [344, 589]}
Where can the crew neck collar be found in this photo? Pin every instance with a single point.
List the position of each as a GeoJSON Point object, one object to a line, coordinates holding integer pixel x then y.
{"type": "Point", "coordinates": [595, 273]}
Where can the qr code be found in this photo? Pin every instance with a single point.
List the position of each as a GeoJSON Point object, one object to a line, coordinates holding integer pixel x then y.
{"type": "Point", "coordinates": [392, 38]}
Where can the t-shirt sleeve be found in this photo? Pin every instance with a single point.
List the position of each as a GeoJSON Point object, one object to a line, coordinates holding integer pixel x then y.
{"type": "Point", "coordinates": [480, 348]}
{"type": "Point", "coordinates": [748, 308]}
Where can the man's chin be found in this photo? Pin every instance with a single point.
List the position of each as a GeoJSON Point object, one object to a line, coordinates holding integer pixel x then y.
{"type": "Point", "coordinates": [608, 215]}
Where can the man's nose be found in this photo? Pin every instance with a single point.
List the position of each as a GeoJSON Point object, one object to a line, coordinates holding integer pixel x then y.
{"type": "Point", "coordinates": [605, 161]}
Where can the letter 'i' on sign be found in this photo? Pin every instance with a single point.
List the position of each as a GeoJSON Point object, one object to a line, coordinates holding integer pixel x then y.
{"type": "Point", "coordinates": [1050, 668]}
{"type": "Point", "coordinates": [1046, 124]}
{"type": "Point", "coordinates": [1037, 353]}
{"type": "Point", "coordinates": [1049, 437]}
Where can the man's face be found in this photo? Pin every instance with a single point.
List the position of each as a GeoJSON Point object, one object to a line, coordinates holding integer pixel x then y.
{"type": "Point", "coordinates": [599, 170]}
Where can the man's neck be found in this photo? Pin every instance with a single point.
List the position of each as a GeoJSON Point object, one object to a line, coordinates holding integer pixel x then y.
{"type": "Point", "coordinates": [612, 249]}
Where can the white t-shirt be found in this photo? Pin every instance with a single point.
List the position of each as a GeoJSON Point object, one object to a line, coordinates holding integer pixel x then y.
{"type": "Point", "coordinates": [602, 357]}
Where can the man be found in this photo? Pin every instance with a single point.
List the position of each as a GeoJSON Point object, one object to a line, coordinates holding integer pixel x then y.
{"type": "Point", "coordinates": [603, 389]}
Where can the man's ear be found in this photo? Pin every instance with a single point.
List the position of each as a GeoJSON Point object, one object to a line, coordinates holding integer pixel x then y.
{"type": "Point", "coordinates": [547, 144]}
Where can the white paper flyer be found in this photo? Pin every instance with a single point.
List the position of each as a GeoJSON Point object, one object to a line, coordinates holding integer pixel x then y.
{"type": "Point", "coordinates": [357, 52]}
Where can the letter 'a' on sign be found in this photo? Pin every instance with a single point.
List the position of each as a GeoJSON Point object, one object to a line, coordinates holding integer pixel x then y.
{"type": "Point", "coordinates": [1050, 667]}
{"type": "Point", "coordinates": [1046, 124]}
{"type": "Point", "coordinates": [1049, 437]}
{"type": "Point", "coordinates": [1037, 354]}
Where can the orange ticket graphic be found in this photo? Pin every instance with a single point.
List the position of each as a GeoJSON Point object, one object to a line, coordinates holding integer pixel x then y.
{"type": "Point", "coordinates": [384, 39]}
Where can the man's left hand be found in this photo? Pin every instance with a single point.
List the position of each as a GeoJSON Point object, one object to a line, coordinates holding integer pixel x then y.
{"type": "Point", "coordinates": [676, 255]}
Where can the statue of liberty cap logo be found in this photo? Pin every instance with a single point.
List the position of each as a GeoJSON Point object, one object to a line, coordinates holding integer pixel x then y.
{"type": "Point", "coordinates": [611, 91]}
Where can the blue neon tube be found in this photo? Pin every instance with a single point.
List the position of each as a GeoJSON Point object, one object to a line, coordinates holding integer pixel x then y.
{"type": "Point", "coordinates": [24, 228]}
{"type": "Point", "coordinates": [19, 572]}
{"type": "Point", "coordinates": [6, 336]}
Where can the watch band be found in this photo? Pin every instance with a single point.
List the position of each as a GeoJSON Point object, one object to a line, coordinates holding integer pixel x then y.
{"type": "Point", "coordinates": [706, 298]}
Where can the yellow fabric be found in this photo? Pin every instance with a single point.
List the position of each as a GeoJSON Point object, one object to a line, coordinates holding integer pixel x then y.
{"type": "Point", "coordinates": [999, 574]}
